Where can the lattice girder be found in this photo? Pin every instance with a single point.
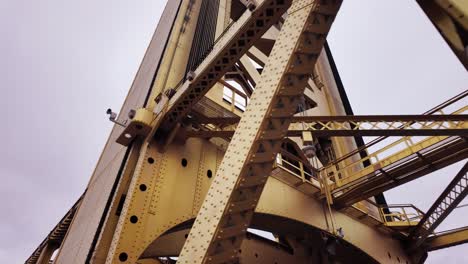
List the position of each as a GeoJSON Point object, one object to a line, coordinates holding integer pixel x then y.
{"type": "Point", "coordinates": [455, 192]}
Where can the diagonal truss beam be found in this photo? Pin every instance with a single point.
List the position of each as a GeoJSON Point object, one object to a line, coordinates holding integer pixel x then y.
{"type": "Point", "coordinates": [227, 50]}
{"type": "Point", "coordinates": [226, 213]}
{"type": "Point", "coordinates": [455, 192]}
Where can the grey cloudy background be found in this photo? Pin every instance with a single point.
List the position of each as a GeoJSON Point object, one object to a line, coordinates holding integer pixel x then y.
{"type": "Point", "coordinates": [64, 62]}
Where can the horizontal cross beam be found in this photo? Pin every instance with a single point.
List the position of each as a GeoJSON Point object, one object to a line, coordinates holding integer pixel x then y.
{"type": "Point", "coordinates": [448, 239]}
{"type": "Point", "coordinates": [365, 125]}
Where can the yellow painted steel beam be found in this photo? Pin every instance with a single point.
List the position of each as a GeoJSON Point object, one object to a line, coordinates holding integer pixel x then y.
{"type": "Point", "coordinates": [339, 126]}
{"type": "Point", "coordinates": [137, 207]}
{"type": "Point", "coordinates": [385, 125]}
{"type": "Point", "coordinates": [102, 246]}
{"type": "Point", "coordinates": [450, 17]}
{"type": "Point", "coordinates": [166, 189]}
{"type": "Point", "coordinates": [222, 221]}
{"type": "Point", "coordinates": [447, 239]}
{"type": "Point", "coordinates": [177, 50]}
{"type": "Point", "coordinates": [227, 50]}
{"type": "Point", "coordinates": [457, 9]}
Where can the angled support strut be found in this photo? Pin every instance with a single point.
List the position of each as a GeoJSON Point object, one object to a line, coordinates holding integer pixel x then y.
{"type": "Point", "coordinates": [455, 192]}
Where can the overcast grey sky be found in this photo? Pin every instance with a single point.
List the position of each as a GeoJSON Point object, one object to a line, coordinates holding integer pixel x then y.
{"type": "Point", "coordinates": [65, 62]}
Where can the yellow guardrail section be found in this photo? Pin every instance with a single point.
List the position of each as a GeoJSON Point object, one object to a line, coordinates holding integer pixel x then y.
{"type": "Point", "coordinates": [350, 169]}
{"type": "Point", "coordinates": [295, 169]}
{"type": "Point", "coordinates": [404, 215]}
{"type": "Point", "coordinates": [401, 215]}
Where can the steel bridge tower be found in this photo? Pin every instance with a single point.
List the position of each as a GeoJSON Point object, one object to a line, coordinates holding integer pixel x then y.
{"type": "Point", "coordinates": [236, 122]}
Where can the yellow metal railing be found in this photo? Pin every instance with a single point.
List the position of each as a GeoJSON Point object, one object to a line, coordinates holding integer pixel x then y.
{"type": "Point", "coordinates": [401, 215]}
{"type": "Point", "coordinates": [297, 169]}
{"type": "Point", "coordinates": [394, 215]}
{"type": "Point", "coordinates": [349, 169]}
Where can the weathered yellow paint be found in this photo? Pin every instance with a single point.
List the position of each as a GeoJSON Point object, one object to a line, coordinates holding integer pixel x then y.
{"type": "Point", "coordinates": [177, 50]}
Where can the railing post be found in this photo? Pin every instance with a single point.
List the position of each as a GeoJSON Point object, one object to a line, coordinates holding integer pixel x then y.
{"type": "Point", "coordinates": [322, 175]}
{"type": "Point", "coordinates": [382, 215]}
{"type": "Point", "coordinates": [335, 176]}
{"type": "Point", "coordinates": [406, 215]}
{"type": "Point", "coordinates": [301, 167]}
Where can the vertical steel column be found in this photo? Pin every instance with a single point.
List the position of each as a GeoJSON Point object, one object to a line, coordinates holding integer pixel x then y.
{"type": "Point", "coordinates": [220, 226]}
